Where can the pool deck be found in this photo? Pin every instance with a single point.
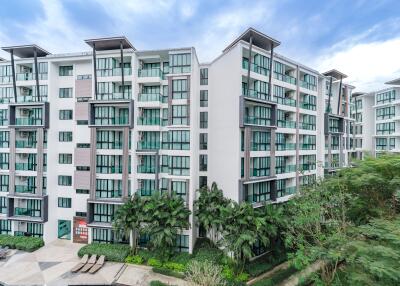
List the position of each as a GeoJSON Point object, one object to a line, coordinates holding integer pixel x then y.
{"type": "Point", "coordinates": [51, 264]}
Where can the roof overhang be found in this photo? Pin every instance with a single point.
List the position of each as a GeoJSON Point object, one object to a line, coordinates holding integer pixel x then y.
{"type": "Point", "coordinates": [259, 39]}
{"type": "Point", "coordinates": [358, 93]}
{"type": "Point", "coordinates": [26, 51]}
{"type": "Point", "coordinates": [2, 59]}
{"type": "Point", "coordinates": [393, 82]}
{"type": "Point", "coordinates": [335, 73]}
{"type": "Point", "coordinates": [113, 43]}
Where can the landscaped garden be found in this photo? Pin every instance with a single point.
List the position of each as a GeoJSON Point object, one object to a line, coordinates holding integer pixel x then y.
{"type": "Point", "coordinates": [25, 243]}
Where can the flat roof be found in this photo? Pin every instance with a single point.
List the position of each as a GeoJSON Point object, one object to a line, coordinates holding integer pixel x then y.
{"type": "Point", "coordinates": [111, 43]}
{"type": "Point", "coordinates": [334, 73]}
{"type": "Point", "coordinates": [26, 51]}
{"type": "Point", "coordinates": [259, 39]}
{"type": "Point", "coordinates": [394, 82]}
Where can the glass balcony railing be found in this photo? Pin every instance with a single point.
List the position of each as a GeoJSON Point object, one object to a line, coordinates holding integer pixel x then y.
{"type": "Point", "coordinates": [285, 169]}
{"type": "Point", "coordinates": [285, 78]}
{"type": "Point", "coordinates": [149, 120]}
{"type": "Point", "coordinates": [24, 189]}
{"type": "Point", "coordinates": [109, 170]}
{"type": "Point", "coordinates": [113, 72]}
{"type": "Point", "coordinates": [112, 121]}
{"type": "Point", "coordinates": [146, 192]}
{"type": "Point", "coordinates": [25, 167]}
{"type": "Point", "coordinates": [251, 93]}
{"type": "Point", "coordinates": [255, 68]}
{"type": "Point", "coordinates": [260, 146]}
{"type": "Point", "coordinates": [144, 169]}
{"type": "Point", "coordinates": [31, 98]}
{"type": "Point", "coordinates": [25, 144]}
{"type": "Point", "coordinates": [285, 101]}
{"type": "Point", "coordinates": [307, 167]}
{"type": "Point", "coordinates": [286, 191]}
{"type": "Point", "coordinates": [110, 194]}
{"type": "Point", "coordinates": [309, 106]}
{"type": "Point", "coordinates": [260, 172]}
{"type": "Point", "coordinates": [148, 145]}
{"type": "Point", "coordinates": [30, 76]}
{"type": "Point", "coordinates": [24, 212]}
{"type": "Point", "coordinates": [28, 121]}
{"type": "Point", "coordinates": [308, 85]}
{"type": "Point", "coordinates": [114, 96]}
{"type": "Point", "coordinates": [19, 233]}
{"type": "Point", "coordinates": [146, 97]}
{"type": "Point", "coordinates": [257, 121]}
{"type": "Point", "coordinates": [307, 146]}
{"type": "Point", "coordinates": [306, 126]}
{"type": "Point", "coordinates": [152, 72]}
{"type": "Point", "coordinates": [285, 146]}
{"type": "Point", "coordinates": [286, 124]}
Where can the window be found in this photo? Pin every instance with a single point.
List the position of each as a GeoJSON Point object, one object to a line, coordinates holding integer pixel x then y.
{"type": "Point", "coordinates": [4, 160]}
{"type": "Point", "coordinates": [258, 192]}
{"type": "Point", "coordinates": [202, 181]}
{"type": "Point", "coordinates": [3, 205]}
{"type": "Point", "coordinates": [82, 191]}
{"type": "Point", "coordinates": [64, 202]}
{"type": "Point", "coordinates": [6, 94]}
{"type": "Point", "coordinates": [203, 98]}
{"type": "Point", "coordinates": [261, 141]}
{"type": "Point", "coordinates": [82, 214]}
{"type": "Point", "coordinates": [65, 114]}
{"type": "Point", "coordinates": [83, 145]}
{"type": "Point", "coordinates": [385, 128]}
{"type": "Point", "coordinates": [65, 92]}
{"type": "Point", "coordinates": [179, 89]}
{"type": "Point", "coordinates": [203, 141]}
{"type": "Point", "coordinates": [103, 212]}
{"type": "Point", "coordinates": [109, 164]}
{"type": "Point", "coordinates": [180, 188]}
{"type": "Point", "coordinates": [5, 225]}
{"type": "Point", "coordinates": [203, 163]}
{"type": "Point", "coordinates": [203, 119]}
{"type": "Point", "coordinates": [82, 122]}
{"type": "Point", "coordinates": [308, 162]}
{"type": "Point", "coordinates": [64, 158]}
{"type": "Point", "coordinates": [65, 136]}
{"type": "Point", "coordinates": [4, 182]}
{"type": "Point", "coordinates": [84, 77]}
{"type": "Point", "coordinates": [261, 166]}
{"type": "Point", "coordinates": [176, 140]}
{"type": "Point", "coordinates": [4, 139]}
{"type": "Point", "coordinates": [108, 139]}
{"type": "Point", "coordinates": [65, 70]}
{"type": "Point", "coordinates": [179, 165]}
{"type": "Point", "coordinates": [258, 115]}
{"type": "Point", "coordinates": [204, 76]}
{"type": "Point", "coordinates": [179, 63]}
{"type": "Point", "coordinates": [384, 113]}
{"type": "Point", "coordinates": [3, 117]}
{"type": "Point", "coordinates": [180, 115]}
{"type": "Point", "coordinates": [108, 188]}
{"type": "Point", "coordinates": [385, 97]}
{"type": "Point", "coordinates": [64, 180]}
{"type": "Point", "coordinates": [182, 243]}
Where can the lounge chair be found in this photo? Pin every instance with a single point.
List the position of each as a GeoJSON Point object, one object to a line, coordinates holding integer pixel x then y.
{"type": "Point", "coordinates": [90, 263]}
{"type": "Point", "coordinates": [98, 265]}
{"type": "Point", "coordinates": [3, 252]}
{"type": "Point", "coordinates": [81, 263]}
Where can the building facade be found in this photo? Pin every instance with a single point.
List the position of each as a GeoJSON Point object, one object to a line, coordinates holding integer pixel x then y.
{"type": "Point", "coordinates": [80, 133]}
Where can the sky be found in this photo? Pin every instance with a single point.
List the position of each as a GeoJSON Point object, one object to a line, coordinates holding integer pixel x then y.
{"type": "Point", "coordinates": [360, 38]}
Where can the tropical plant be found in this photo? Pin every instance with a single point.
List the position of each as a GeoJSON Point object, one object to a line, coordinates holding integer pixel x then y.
{"type": "Point", "coordinates": [165, 215]}
{"type": "Point", "coordinates": [128, 219]}
{"type": "Point", "coordinates": [204, 273]}
{"type": "Point", "coordinates": [208, 208]}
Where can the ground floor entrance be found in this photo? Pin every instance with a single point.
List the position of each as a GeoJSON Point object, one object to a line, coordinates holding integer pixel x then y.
{"type": "Point", "coordinates": [64, 229]}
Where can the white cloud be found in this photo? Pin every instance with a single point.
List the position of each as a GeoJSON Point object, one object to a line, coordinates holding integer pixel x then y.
{"type": "Point", "coordinates": [368, 65]}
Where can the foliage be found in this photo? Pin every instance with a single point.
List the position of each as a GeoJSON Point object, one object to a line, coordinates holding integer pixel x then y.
{"type": "Point", "coordinates": [203, 242]}
{"type": "Point", "coordinates": [264, 263]}
{"type": "Point", "coordinates": [204, 273]}
{"type": "Point", "coordinates": [277, 277]}
{"type": "Point", "coordinates": [178, 267]}
{"type": "Point", "coordinates": [181, 257]}
{"type": "Point", "coordinates": [168, 272]}
{"type": "Point", "coordinates": [208, 209]}
{"type": "Point", "coordinates": [154, 262]}
{"type": "Point", "coordinates": [214, 255]}
{"type": "Point", "coordinates": [157, 283]}
{"type": "Point", "coordinates": [164, 216]}
{"type": "Point", "coordinates": [25, 243]}
{"type": "Point", "coordinates": [112, 252]}
{"type": "Point", "coordinates": [134, 259]}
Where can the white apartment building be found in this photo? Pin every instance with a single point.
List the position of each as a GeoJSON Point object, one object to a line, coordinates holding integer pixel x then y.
{"type": "Point", "coordinates": [80, 133]}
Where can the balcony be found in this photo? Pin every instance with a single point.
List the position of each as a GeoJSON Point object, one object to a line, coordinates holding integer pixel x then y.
{"type": "Point", "coordinates": [152, 72]}
{"type": "Point", "coordinates": [285, 147]}
{"type": "Point", "coordinates": [286, 124]}
{"type": "Point", "coordinates": [145, 169]}
{"type": "Point", "coordinates": [254, 94]}
{"type": "Point", "coordinates": [308, 106]}
{"type": "Point", "coordinates": [113, 72]}
{"type": "Point", "coordinates": [306, 126]}
{"type": "Point", "coordinates": [25, 167]}
{"type": "Point", "coordinates": [30, 76]}
{"type": "Point", "coordinates": [308, 85]}
{"type": "Point", "coordinates": [252, 120]}
{"type": "Point", "coordinates": [149, 120]}
{"type": "Point", "coordinates": [285, 78]}
{"type": "Point", "coordinates": [28, 121]}
{"type": "Point", "coordinates": [285, 101]}
{"type": "Point", "coordinates": [112, 121]}
{"type": "Point", "coordinates": [20, 189]}
{"type": "Point", "coordinates": [254, 67]}
{"type": "Point", "coordinates": [287, 191]}
{"type": "Point", "coordinates": [304, 146]}
{"type": "Point", "coordinates": [114, 96]}
{"type": "Point", "coordinates": [109, 170]}
{"type": "Point", "coordinates": [307, 166]}
{"type": "Point", "coordinates": [146, 97]}
{"type": "Point", "coordinates": [285, 169]}
{"type": "Point", "coordinates": [25, 212]}
{"type": "Point", "coordinates": [25, 144]}
{"type": "Point", "coordinates": [148, 145]}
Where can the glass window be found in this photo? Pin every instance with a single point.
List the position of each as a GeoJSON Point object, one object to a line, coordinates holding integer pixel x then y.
{"type": "Point", "coordinates": [65, 92]}
{"type": "Point", "coordinates": [203, 119]}
{"type": "Point", "coordinates": [176, 140]}
{"type": "Point", "coordinates": [179, 165]}
{"type": "Point", "coordinates": [203, 141]}
{"type": "Point", "coordinates": [65, 114]}
{"type": "Point", "coordinates": [182, 243]}
{"type": "Point", "coordinates": [4, 183]}
{"type": "Point", "coordinates": [179, 63]}
{"type": "Point", "coordinates": [65, 70]}
{"type": "Point", "coordinates": [204, 76]}
{"type": "Point", "coordinates": [64, 180]}
{"type": "Point", "coordinates": [180, 115]}
{"type": "Point", "coordinates": [203, 163]}
{"type": "Point", "coordinates": [203, 98]}
{"type": "Point", "coordinates": [64, 202]}
{"type": "Point", "coordinates": [64, 158]}
{"type": "Point", "coordinates": [179, 89]}
{"type": "Point", "coordinates": [65, 136]}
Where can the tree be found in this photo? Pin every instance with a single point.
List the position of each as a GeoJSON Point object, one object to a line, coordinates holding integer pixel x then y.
{"type": "Point", "coordinates": [164, 216]}
{"type": "Point", "coordinates": [208, 208]}
{"type": "Point", "coordinates": [128, 219]}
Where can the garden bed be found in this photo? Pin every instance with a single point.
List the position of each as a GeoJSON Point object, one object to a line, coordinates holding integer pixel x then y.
{"type": "Point", "coordinates": [112, 252]}
{"type": "Point", "coordinates": [25, 243]}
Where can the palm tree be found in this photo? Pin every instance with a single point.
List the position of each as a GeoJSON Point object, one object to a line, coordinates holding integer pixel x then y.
{"type": "Point", "coordinates": [208, 209]}
{"type": "Point", "coordinates": [128, 219]}
{"type": "Point", "coordinates": [165, 215]}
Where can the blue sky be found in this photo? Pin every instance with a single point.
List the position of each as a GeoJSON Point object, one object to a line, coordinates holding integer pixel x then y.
{"type": "Point", "coordinates": [359, 37]}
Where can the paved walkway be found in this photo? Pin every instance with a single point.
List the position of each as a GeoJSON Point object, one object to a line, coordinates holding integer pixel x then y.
{"type": "Point", "coordinates": [51, 265]}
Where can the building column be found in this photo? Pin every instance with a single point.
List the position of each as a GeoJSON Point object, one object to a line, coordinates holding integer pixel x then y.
{"type": "Point", "coordinates": [13, 75]}
{"type": "Point", "coordinates": [36, 73]}
{"type": "Point", "coordinates": [92, 163]}
{"type": "Point", "coordinates": [122, 69]}
{"type": "Point", "coordinates": [247, 143]}
{"type": "Point", "coordinates": [297, 129]}
{"type": "Point", "coordinates": [39, 161]}
{"type": "Point", "coordinates": [125, 162]}
{"type": "Point", "coordinates": [339, 109]}
{"type": "Point", "coordinates": [250, 62]}
{"type": "Point", "coordinates": [95, 70]}
{"type": "Point", "coordinates": [11, 181]}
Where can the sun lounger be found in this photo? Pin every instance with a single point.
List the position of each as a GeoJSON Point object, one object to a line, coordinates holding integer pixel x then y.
{"type": "Point", "coordinates": [90, 263]}
{"type": "Point", "coordinates": [3, 252]}
{"type": "Point", "coordinates": [98, 265]}
{"type": "Point", "coordinates": [81, 263]}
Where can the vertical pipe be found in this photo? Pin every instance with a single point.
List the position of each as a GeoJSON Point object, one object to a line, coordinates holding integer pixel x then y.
{"type": "Point", "coordinates": [250, 62]}
{"type": "Point", "coordinates": [13, 75]}
{"type": "Point", "coordinates": [328, 108]}
{"type": "Point", "coordinates": [95, 70]}
{"type": "Point", "coordinates": [36, 73]}
{"type": "Point", "coordinates": [122, 69]}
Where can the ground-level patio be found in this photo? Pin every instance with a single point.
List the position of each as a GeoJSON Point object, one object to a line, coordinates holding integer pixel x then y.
{"type": "Point", "coordinates": [51, 265]}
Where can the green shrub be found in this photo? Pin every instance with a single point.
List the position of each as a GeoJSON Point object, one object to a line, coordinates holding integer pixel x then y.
{"type": "Point", "coordinates": [134, 259]}
{"type": "Point", "coordinates": [112, 252]}
{"type": "Point", "coordinates": [204, 273]}
{"type": "Point", "coordinates": [174, 266]}
{"type": "Point", "coordinates": [277, 278]}
{"type": "Point", "coordinates": [25, 243]}
{"type": "Point", "coordinates": [214, 255]}
{"type": "Point", "coordinates": [154, 262]}
{"type": "Point", "coordinates": [157, 283]}
{"type": "Point", "coordinates": [228, 272]}
{"type": "Point", "coordinates": [242, 277]}
{"type": "Point", "coordinates": [168, 272]}
{"type": "Point", "coordinates": [202, 242]}
{"type": "Point", "coordinates": [145, 254]}
{"type": "Point", "coordinates": [264, 264]}
{"type": "Point", "coordinates": [181, 257]}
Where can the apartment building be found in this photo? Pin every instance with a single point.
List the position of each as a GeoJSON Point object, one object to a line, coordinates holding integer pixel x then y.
{"type": "Point", "coordinates": [82, 132]}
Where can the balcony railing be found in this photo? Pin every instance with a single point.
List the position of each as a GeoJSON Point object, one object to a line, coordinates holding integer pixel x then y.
{"type": "Point", "coordinates": [153, 72]}
{"type": "Point", "coordinates": [24, 189]}
{"type": "Point", "coordinates": [309, 106]}
{"type": "Point", "coordinates": [146, 192]}
{"type": "Point", "coordinates": [30, 76]}
{"type": "Point", "coordinates": [287, 191]}
{"type": "Point", "coordinates": [149, 120]}
{"type": "Point", "coordinates": [260, 172]}
{"type": "Point", "coordinates": [25, 167]}
{"type": "Point", "coordinates": [260, 146]}
{"type": "Point", "coordinates": [146, 97]}
{"type": "Point", "coordinates": [25, 144]}
{"type": "Point", "coordinates": [114, 96]}
{"type": "Point", "coordinates": [109, 194]}
{"type": "Point", "coordinates": [28, 121]}
{"type": "Point", "coordinates": [308, 85]}
{"type": "Point", "coordinates": [286, 169]}
{"type": "Point", "coordinates": [113, 72]}
{"type": "Point", "coordinates": [148, 145]}
{"type": "Point", "coordinates": [24, 212]}
{"type": "Point", "coordinates": [111, 121]}
{"type": "Point", "coordinates": [285, 146]}
{"type": "Point", "coordinates": [32, 98]}
{"type": "Point", "coordinates": [255, 68]}
{"type": "Point", "coordinates": [306, 126]}
{"type": "Point", "coordinates": [307, 167]}
{"type": "Point", "coordinates": [146, 169]}
{"type": "Point", "coordinates": [307, 146]}
{"type": "Point", "coordinates": [257, 121]}
{"type": "Point", "coordinates": [285, 78]}
{"type": "Point", "coordinates": [285, 101]}
{"type": "Point", "coordinates": [286, 124]}
{"type": "Point", "coordinates": [251, 93]}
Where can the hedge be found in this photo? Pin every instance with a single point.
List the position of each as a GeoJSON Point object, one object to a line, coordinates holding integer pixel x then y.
{"type": "Point", "coordinates": [168, 272]}
{"type": "Point", "coordinates": [25, 243]}
{"type": "Point", "coordinates": [112, 252]}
